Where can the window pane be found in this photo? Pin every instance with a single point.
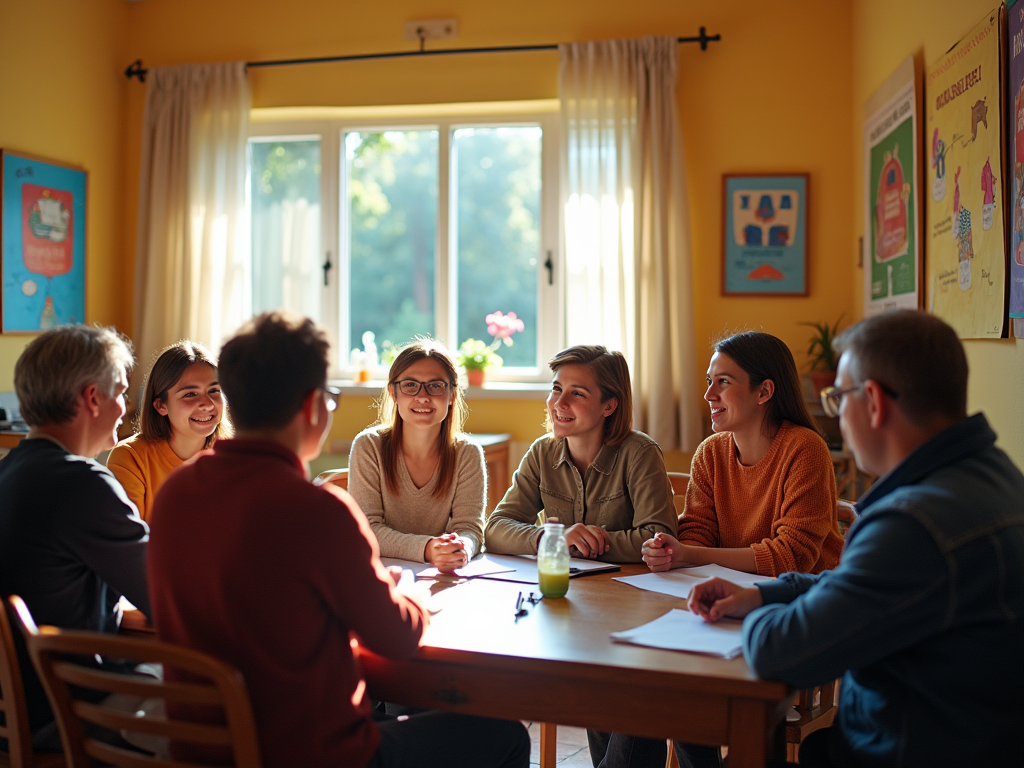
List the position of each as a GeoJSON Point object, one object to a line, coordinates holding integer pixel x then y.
{"type": "Point", "coordinates": [392, 196]}
{"type": "Point", "coordinates": [286, 253]}
{"type": "Point", "coordinates": [496, 192]}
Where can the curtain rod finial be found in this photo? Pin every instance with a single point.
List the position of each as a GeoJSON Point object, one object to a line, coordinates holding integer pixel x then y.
{"type": "Point", "coordinates": [135, 69]}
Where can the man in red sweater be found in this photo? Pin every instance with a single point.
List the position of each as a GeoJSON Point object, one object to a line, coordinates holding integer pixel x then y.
{"type": "Point", "coordinates": [253, 564]}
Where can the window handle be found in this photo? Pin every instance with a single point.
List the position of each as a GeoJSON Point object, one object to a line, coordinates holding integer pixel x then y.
{"type": "Point", "coordinates": [549, 265]}
{"type": "Point", "coordinates": [327, 267]}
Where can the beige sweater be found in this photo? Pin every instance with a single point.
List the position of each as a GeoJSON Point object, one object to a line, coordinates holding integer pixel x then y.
{"type": "Point", "coordinates": [406, 521]}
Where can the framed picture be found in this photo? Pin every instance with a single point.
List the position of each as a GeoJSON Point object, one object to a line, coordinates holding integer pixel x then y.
{"type": "Point", "coordinates": [42, 232]}
{"type": "Point", "coordinates": [764, 238]}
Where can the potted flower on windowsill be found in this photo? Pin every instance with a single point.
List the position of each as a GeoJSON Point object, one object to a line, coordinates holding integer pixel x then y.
{"type": "Point", "coordinates": [476, 357]}
{"type": "Point", "coordinates": [821, 355]}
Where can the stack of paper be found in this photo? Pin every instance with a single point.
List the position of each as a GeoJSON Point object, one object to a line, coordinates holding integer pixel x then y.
{"type": "Point", "coordinates": [680, 630]}
{"type": "Point", "coordinates": [679, 582]}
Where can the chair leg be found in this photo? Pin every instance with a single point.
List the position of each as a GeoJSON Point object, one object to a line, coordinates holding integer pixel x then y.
{"type": "Point", "coordinates": [670, 760]}
{"type": "Point", "coordinates": [548, 742]}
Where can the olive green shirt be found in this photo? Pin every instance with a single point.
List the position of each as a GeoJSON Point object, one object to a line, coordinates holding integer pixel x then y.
{"type": "Point", "coordinates": [626, 490]}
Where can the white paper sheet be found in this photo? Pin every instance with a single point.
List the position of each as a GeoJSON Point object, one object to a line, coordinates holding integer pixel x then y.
{"type": "Point", "coordinates": [680, 630]}
{"type": "Point", "coordinates": [524, 569]}
{"type": "Point", "coordinates": [679, 582]}
{"type": "Point", "coordinates": [478, 566]}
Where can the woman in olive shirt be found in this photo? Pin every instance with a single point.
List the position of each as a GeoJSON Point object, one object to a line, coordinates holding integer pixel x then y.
{"type": "Point", "coordinates": [592, 471]}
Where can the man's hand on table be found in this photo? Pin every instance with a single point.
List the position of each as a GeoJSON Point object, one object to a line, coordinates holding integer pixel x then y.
{"type": "Point", "coordinates": [717, 598]}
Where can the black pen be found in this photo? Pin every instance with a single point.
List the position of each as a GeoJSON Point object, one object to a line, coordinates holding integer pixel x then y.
{"type": "Point", "coordinates": [519, 606]}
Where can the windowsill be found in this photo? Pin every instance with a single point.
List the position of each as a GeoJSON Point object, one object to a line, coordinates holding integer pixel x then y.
{"type": "Point", "coordinates": [491, 390]}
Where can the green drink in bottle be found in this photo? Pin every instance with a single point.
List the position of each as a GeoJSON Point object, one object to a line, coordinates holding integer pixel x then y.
{"type": "Point", "coordinates": [553, 561]}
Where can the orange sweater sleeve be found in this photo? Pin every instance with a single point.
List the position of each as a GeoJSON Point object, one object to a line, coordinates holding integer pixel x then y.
{"type": "Point", "coordinates": [804, 534]}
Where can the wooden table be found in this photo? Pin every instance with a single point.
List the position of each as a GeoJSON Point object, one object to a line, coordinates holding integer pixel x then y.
{"type": "Point", "coordinates": [9, 439]}
{"type": "Point", "coordinates": [557, 665]}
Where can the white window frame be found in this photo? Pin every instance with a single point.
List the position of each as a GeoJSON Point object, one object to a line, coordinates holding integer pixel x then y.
{"type": "Point", "coordinates": [334, 212]}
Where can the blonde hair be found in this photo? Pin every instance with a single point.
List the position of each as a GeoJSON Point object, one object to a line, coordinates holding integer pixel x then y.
{"type": "Point", "coordinates": [391, 420]}
{"type": "Point", "coordinates": [612, 374]}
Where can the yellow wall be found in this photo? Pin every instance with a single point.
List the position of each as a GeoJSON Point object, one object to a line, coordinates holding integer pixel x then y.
{"type": "Point", "coordinates": [757, 102]}
{"type": "Point", "coordinates": [62, 98]}
{"type": "Point", "coordinates": [885, 33]}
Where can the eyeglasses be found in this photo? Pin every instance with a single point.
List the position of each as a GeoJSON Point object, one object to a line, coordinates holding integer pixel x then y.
{"type": "Point", "coordinates": [332, 396]}
{"type": "Point", "coordinates": [832, 397]}
{"type": "Point", "coordinates": [412, 387]}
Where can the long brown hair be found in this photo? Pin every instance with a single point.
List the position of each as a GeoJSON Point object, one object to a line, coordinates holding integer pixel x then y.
{"type": "Point", "coordinates": [612, 375]}
{"type": "Point", "coordinates": [168, 369]}
{"type": "Point", "coordinates": [451, 427]}
{"type": "Point", "coordinates": [764, 357]}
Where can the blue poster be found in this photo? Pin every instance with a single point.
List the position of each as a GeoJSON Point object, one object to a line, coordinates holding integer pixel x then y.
{"type": "Point", "coordinates": [1015, 100]}
{"type": "Point", "coordinates": [43, 231]}
{"type": "Point", "coordinates": [765, 235]}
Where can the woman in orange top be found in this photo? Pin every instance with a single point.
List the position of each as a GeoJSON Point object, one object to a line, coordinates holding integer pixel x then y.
{"type": "Point", "coordinates": [762, 492]}
{"type": "Point", "coordinates": [181, 414]}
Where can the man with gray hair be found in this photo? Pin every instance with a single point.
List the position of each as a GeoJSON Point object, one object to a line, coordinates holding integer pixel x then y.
{"type": "Point", "coordinates": [71, 543]}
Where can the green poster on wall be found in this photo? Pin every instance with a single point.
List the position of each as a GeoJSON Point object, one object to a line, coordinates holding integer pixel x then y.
{"type": "Point", "coordinates": [892, 243]}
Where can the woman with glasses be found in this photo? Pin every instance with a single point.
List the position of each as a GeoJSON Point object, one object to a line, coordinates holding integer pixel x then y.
{"type": "Point", "coordinates": [762, 492]}
{"type": "Point", "coordinates": [181, 414]}
{"type": "Point", "coordinates": [419, 481]}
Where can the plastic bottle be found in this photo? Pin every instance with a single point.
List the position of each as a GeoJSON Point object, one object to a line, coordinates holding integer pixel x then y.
{"type": "Point", "coordinates": [553, 561]}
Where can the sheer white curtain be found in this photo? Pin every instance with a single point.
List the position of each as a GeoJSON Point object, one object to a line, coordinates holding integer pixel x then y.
{"type": "Point", "coordinates": [192, 274]}
{"type": "Point", "coordinates": [627, 242]}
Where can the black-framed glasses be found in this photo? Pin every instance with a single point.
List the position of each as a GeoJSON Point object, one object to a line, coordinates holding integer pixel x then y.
{"type": "Point", "coordinates": [412, 387]}
{"type": "Point", "coordinates": [332, 396]}
{"type": "Point", "coordinates": [832, 397]}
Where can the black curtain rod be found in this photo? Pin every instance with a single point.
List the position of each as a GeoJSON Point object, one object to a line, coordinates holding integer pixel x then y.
{"type": "Point", "coordinates": [135, 69]}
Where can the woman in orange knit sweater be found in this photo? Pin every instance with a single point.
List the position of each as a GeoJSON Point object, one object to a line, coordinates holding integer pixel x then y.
{"type": "Point", "coordinates": [762, 492]}
{"type": "Point", "coordinates": [181, 414]}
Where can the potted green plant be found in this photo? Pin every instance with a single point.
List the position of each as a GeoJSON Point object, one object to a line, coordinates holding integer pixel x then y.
{"type": "Point", "coordinates": [476, 357]}
{"type": "Point", "coordinates": [820, 354]}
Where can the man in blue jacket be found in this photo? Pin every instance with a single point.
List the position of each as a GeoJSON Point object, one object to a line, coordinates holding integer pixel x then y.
{"type": "Point", "coordinates": [924, 616]}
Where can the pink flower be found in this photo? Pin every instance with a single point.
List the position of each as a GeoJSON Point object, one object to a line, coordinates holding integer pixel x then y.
{"type": "Point", "coordinates": [502, 326]}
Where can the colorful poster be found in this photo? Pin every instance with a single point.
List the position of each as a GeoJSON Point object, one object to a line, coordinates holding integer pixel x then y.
{"type": "Point", "coordinates": [1015, 147]}
{"type": "Point", "coordinates": [42, 230]}
{"type": "Point", "coordinates": [966, 244]}
{"type": "Point", "coordinates": [892, 208]}
{"type": "Point", "coordinates": [765, 237]}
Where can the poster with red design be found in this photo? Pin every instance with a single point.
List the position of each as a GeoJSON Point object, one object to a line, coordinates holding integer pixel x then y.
{"type": "Point", "coordinates": [966, 244]}
{"type": "Point", "coordinates": [42, 229]}
{"type": "Point", "coordinates": [892, 207]}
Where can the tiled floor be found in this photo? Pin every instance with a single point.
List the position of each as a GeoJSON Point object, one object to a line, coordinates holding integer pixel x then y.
{"type": "Point", "coordinates": [571, 752]}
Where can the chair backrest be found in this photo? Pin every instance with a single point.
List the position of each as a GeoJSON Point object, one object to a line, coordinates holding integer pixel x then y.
{"type": "Point", "coordinates": [847, 514]}
{"type": "Point", "coordinates": [337, 477]}
{"type": "Point", "coordinates": [15, 727]}
{"type": "Point", "coordinates": [680, 481]}
{"type": "Point", "coordinates": [205, 682]}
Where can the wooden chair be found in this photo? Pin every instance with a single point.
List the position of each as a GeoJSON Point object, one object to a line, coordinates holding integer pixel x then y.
{"type": "Point", "coordinates": [337, 477]}
{"type": "Point", "coordinates": [816, 706]}
{"type": "Point", "coordinates": [680, 481]}
{"type": "Point", "coordinates": [847, 515]}
{"type": "Point", "coordinates": [15, 728]}
{"type": "Point", "coordinates": [212, 683]}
